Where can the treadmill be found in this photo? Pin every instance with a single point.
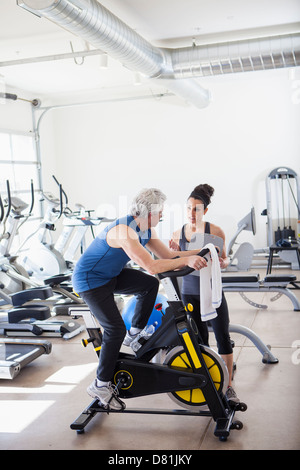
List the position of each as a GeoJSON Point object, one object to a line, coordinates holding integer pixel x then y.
{"type": "Point", "coordinates": [15, 354]}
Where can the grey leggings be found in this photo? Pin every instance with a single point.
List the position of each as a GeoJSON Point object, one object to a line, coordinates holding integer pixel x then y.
{"type": "Point", "coordinates": [101, 303]}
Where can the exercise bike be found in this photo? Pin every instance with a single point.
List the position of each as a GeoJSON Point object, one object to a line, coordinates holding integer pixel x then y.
{"type": "Point", "coordinates": [192, 374]}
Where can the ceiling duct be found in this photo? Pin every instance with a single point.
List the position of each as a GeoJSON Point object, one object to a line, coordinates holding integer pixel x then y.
{"type": "Point", "coordinates": [237, 56]}
{"type": "Point", "coordinates": [92, 22]}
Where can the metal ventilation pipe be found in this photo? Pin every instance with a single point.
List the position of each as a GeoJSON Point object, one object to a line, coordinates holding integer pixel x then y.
{"type": "Point", "coordinates": [238, 56]}
{"type": "Point", "coordinates": [92, 22]}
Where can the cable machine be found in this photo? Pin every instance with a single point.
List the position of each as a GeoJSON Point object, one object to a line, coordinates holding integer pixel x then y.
{"type": "Point", "coordinates": [283, 211]}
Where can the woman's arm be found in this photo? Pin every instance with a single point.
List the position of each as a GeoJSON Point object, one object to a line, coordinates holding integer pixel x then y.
{"type": "Point", "coordinates": [215, 230]}
{"type": "Point", "coordinates": [174, 242]}
{"type": "Point", "coordinates": [159, 249]}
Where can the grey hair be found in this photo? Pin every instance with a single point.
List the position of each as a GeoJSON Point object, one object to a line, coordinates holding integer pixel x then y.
{"type": "Point", "coordinates": [147, 200]}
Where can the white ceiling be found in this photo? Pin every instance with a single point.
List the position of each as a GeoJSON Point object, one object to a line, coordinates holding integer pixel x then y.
{"type": "Point", "coordinates": [165, 23]}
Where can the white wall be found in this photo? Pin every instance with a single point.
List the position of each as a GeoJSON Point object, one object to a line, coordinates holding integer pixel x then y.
{"type": "Point", "coordinates": [16, 115]}
{"type": "Point", "coordinates": [105, 153]}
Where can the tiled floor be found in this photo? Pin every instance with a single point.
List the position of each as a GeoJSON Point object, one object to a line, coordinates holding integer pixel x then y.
{"type": "Point", "coordinates": [38, 406]}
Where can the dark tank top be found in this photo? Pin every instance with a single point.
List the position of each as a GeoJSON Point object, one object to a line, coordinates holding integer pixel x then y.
{"type": "Point", "coordinates": [190, 283]}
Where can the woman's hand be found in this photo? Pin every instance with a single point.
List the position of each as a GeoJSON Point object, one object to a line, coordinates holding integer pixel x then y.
{"type": "Point", "coordinates": [174, 246]}
{"type": "Point", "coordinates": [223, 263]}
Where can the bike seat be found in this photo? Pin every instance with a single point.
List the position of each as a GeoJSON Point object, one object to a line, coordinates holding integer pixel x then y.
{"type": "Point", "coordinates": [36, 311]}
{"type": "Point", "coordinates": [57, 279]}
{"type": "Point", "coordinates": [20, 298]}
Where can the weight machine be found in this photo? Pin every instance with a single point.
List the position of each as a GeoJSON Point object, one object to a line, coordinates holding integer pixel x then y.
{"type": "Point", "coordinates": [283, 212]}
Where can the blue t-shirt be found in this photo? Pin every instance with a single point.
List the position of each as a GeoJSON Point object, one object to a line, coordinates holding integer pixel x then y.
{"type": "Point", "coordinates": [100, 262]}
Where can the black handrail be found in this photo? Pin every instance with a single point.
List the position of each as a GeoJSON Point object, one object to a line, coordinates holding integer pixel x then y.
{"type": "Point", "coordinates": [184, 271]}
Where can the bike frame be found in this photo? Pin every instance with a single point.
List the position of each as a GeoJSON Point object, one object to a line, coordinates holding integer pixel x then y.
{"type": "Point", "coordinates": [136, 376]}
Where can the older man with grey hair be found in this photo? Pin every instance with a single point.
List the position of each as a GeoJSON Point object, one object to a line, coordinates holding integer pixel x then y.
{"type": "Point", "coordinates": [101, 271]}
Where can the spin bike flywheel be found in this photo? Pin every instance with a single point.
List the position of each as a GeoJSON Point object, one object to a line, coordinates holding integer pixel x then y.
{"type": "Point", "coordinates": [194, 399]}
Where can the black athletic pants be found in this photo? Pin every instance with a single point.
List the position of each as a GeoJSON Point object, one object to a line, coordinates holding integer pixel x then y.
{"type": "Point", "coordinates": [220, 324]}
{"type": "Point", "coordinates": [101, 303]}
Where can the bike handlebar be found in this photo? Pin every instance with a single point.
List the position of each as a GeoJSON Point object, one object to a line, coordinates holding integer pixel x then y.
{"type": "Point", "coordinates": [8, 199]}
{"type": "Point", "coordinates": [1, 209]}
{"type": "Point", "coordinates": [32, 197]}
{"type": "Point", "coordinates": [61, 190]}
{"type": "Point", "coordinates": [185, 271]}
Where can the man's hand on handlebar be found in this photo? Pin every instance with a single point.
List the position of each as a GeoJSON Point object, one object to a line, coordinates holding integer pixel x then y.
{"type": "Point", "coordinates": [196, 262]}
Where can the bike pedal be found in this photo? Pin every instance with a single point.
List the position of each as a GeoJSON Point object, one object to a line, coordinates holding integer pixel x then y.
{"type": "Point", "coordinates": [100, 405]}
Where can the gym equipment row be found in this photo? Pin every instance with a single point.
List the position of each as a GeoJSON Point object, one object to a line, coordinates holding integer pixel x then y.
{"type": "Point", "coordinates": [22, 317]}
{"type": "Point", "coordinates": [30, 320]}
{"type": "Point", "coordinates": [13, 275]}
{"type": "Point", "coordinates": [18, 287]}
{"type": "Point", "coordinates": [281, 284]}
{"type": "Point", "coordinates": [44, 258]}
{"type": "Point", "coordinates": [26, 319]}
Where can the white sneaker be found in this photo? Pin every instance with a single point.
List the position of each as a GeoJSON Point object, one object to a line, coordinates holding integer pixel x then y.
{"type": "Point", "coordinates": [231, 395]}
{"type": "Point", "coordinates": [107, 395]}
{"type": "Point", "coordinates": [129, 338]}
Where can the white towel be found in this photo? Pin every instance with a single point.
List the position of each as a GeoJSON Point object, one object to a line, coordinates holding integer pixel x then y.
{"type": "Point", "coordinates": [210, 285]}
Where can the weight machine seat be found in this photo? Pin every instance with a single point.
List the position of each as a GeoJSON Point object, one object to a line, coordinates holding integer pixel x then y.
{"type": "Point", "coordinates": [271, 283]}
{"type": "Point", "coordinates": [251, 280]}
{"type": "Point", "coordinates": [269, 280]}
{"type": "Point", "coordinates": [57, 279]}
{"type": "Point", "coordinates": [20, 298]}
{"type": "Point", "coordinates": [272, 279]}
{"type": "Point", "coordinates": [238, 279]}
{"type": "Point", "coordinates": [36, 311]}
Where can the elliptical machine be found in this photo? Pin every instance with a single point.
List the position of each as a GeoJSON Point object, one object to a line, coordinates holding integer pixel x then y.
{"type": "Point", "coordinates": [192, 374]}
{"type": "Point", "coordinates": [44, 258]}
{"type": "Point", "coordinates": [13, 276]}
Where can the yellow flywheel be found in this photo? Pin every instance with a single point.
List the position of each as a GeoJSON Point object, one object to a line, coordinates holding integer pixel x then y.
{"type": "Point", "coordinates": [194, 398]}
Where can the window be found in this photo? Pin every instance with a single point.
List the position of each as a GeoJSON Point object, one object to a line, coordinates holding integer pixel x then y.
{"type": "Point", "coordinates": [19, 165]}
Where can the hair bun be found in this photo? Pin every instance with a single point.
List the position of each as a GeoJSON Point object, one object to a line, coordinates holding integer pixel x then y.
{"type": "Point", "coordinates": [205, 188]}
{"type": "Point", "coordinates": [203, 192]}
